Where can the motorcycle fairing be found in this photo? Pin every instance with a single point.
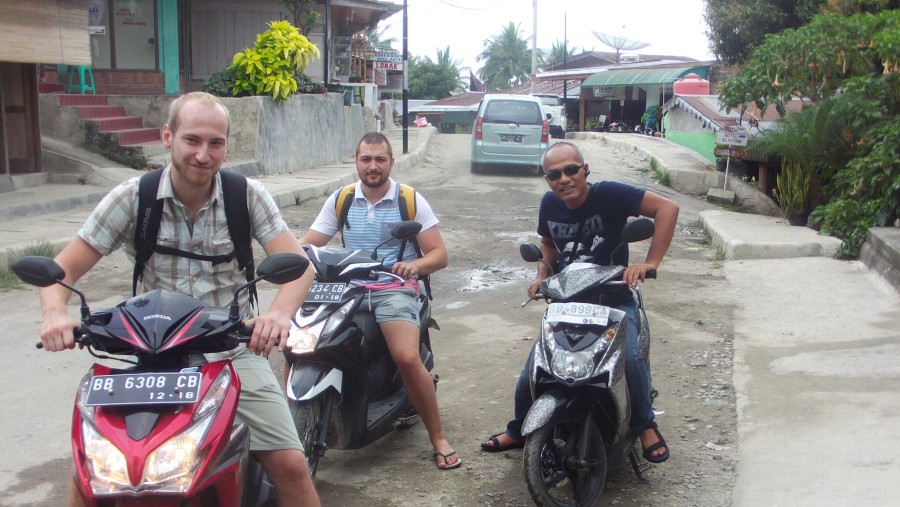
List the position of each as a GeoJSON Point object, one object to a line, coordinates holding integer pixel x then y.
{"type": "Point", "coordinates": [339, 264]}
{"type": "Point", "coordinates": [116, 424]}
{"type": "Point", "coordinates": [578, 277]}
{"type": "Point", "coordinates": [161, 321]}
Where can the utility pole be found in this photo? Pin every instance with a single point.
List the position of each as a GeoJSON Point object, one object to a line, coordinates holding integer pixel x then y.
{"type": "Point", "coordinates": [405, 122]}
{"type": "Point", "coordinates": [534, 49]}
{"type": "Point", "coordinates": [565, 59]}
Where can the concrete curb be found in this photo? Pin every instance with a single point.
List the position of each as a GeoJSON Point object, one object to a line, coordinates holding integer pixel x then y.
{"type": "Point", "coordinates": [729, 231]}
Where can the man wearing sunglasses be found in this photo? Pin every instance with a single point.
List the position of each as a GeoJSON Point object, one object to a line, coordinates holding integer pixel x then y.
{"type": "Point", "coordinates": [582, 222]}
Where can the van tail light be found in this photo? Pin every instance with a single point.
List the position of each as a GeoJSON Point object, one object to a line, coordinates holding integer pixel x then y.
{"type": "Point", "coordinates": [478, 122]}
{"type": "Point", "coordinates": [545, 132]}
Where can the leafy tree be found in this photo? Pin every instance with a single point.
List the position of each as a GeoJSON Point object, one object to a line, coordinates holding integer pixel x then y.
{"type": "Point", "coordinates": [430, 80]}
{"type": "Point", "coordinates": [507, 59]}
{"type": "Point", "coordinates": [558, 53]}
{"type": "Point", "coordinates": [854, 62]}
{"type": "Point", "coordinates": [737, 27]}
{"type": "Point", "coordinates": [374, 41]}
{"type": "Point", "coordinates": [270, 66]}
{"type": "Point", "coordinates": [444, 58]}
{"type": "Point", "coordinates": [304, 13]}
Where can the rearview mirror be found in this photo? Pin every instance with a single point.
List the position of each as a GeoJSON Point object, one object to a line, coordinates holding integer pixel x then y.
{"type": "Point", "coordinates": [530, 252]}
{"type": "Point", "coordinates": [406, 230]}
{"type": "Point", "coordinates": [281, 268]}
{"type": "Point", "coordinates": [638, 230]}
{"type": "Point", "coordinates": [39, 271]}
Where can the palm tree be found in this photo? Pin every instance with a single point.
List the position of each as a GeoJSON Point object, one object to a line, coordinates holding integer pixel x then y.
{"type": "Point", "coordinates": [445, 60]}
{"type": "Point", "coordinates": [374, 40]}
{"type": "Point", "coordinates": [507, 59]}
{"type": "Point", "coordinates": [558, 53]}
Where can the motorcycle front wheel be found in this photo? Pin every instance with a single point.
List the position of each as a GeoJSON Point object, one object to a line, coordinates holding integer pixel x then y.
{"type": "Point", "coordinates": [311, 430]}
{"type": "Point", "coordinates": [555, 475]}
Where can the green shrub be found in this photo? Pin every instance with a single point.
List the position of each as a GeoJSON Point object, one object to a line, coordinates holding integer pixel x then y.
{"type": "Point", "coordinates": [220, 83]}
{"type": "Point", "coordinates": [269, 67]}
{"type": "Point", "coordinates": [847, 220]}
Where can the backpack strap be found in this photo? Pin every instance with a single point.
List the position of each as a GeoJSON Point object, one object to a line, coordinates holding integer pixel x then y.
{"type": "Point", "coordinates": [407, 203]}
{"type": "Point", "coordinates": [147, 229]}
{"type": "Point", "coordinates": [234, 192]}
{"type": "Point", "coordinates": [342, 204]}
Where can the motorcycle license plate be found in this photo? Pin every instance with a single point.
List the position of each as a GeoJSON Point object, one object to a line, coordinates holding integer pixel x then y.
{"type": "Point", "coordinates": [143, 389]}
{"type": "Point", "coordinates": [578, 313]}
{"type": "Point", "coordinates": [510, 138]}
{"type": "Point", "coordinates": [325, 292]}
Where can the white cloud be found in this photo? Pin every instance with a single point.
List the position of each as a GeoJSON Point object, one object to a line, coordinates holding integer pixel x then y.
{"type": "Point", "coordinates": [671, 27]}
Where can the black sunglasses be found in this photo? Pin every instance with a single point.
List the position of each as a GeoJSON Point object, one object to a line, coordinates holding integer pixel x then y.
{"type": "Point", "coordinates": [570, 170]}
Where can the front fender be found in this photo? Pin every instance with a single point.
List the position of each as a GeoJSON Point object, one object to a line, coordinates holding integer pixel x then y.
{"type": "Point", "coordinates": [544, 408]}
{"type": "Point", "coordinates": [308, 379]}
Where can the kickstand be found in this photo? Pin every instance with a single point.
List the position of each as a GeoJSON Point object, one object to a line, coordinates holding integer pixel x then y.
{"type": "Point", "coordinates": [638, 468]}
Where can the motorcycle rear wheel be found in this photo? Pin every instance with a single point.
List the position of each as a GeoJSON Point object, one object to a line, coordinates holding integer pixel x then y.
{"type": "Point", "coordinates": [308, 421]}
{"type": "Point", "coordinates": [553, 477]}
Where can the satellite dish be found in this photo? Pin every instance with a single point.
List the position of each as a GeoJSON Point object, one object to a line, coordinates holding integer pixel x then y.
{"type": "Point", "coordinates": [619, 43]}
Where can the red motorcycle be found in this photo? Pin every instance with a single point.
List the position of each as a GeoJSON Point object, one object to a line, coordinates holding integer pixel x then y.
{"type": "Point", "coordinates": [162, 431]}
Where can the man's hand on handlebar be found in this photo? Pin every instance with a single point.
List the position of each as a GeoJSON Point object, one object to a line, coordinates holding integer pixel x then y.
{"type": "Point", "coordinates": [269, 330]}
{"type": "Point", "coordinates": [56, 331]}
{"type": "Point", "coordinates": [638, 272]}
{"type": "Point", "coordinates": [405, 269]}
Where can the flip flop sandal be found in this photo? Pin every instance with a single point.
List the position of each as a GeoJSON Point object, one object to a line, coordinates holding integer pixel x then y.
{"type": "Point", "coordinates": [648, 452]}
{"type": "Point", "coordinates": [496, 447]}
{"type": "Point", "coordinates": [447, 466]}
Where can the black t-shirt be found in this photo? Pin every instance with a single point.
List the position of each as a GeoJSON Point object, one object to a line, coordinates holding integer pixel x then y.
{"type": "Point", "coordinates": [596, 225]}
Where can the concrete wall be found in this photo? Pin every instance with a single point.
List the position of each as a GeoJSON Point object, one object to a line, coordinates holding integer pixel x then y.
{"type": "Point", "coordinates": [266, 138]}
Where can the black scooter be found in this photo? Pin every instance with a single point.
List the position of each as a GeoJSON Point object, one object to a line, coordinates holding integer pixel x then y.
{"type": "Point", "coordinates": [344, 389]}
{"type": "Point", "coordinates": [577, 428]}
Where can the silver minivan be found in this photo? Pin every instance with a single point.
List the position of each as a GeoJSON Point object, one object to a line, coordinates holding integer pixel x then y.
{"type": "Point", "coordinates": [510, 130]}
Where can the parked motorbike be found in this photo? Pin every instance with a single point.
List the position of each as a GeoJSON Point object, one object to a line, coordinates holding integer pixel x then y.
{"type": "Point", "coordinates": [344, 389]}
{"type": "Point", "coordinates": [161, 431]}
{"type": "Point", "coordinates": [577, 429]}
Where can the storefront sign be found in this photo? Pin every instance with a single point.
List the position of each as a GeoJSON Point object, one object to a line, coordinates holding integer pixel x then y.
{"type": "Point", "coordinates": [387, 57]}
{"type": "Point", "coordinates": [387, 65]}
{"type": "Point", "coordinates": [609, 92]}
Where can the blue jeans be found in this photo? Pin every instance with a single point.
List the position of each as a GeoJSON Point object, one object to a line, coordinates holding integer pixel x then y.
{"type": "Point", "coordinates": [635, 374]}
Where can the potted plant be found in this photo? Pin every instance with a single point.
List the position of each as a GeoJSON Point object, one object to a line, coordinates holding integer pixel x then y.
{"type": "Point", "coordinates": [792, 186]}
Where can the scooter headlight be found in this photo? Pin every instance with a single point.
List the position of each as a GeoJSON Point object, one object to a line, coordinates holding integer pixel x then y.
{"type": "Point", "coordinates": [106, 463]}
{"type": "Point", "coordinates": [303, 340]}
{"type": "Point", "coordinates": [172, 466]}
{"type": "Point", "coordinates": [573, 366]}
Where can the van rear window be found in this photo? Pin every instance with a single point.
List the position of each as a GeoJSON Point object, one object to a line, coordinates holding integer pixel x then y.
{"type": "Point", "coordinates": [513, 111]}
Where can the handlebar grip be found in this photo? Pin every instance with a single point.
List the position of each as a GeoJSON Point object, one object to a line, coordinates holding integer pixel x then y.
{"type": "Point", "coordinates": [650, 274]}
{"type": "Point", "coordinates": [78, 332]}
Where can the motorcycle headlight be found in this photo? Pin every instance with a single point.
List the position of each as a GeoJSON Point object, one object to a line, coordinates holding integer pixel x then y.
{"type": "Point", "coordinates": [106, 463]}
{"type": "Point", "coordinates": [172, 466]}
{"type": "Point", "coordinates": [303, 340]}
{"type": "Point", "coordinates": [570, 365]}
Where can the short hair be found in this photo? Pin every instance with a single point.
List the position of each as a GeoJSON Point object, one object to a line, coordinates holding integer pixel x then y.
{"type": "Point", "coordinates": [558, 144]}
{"type": "Point", "coordinates": [374, 138]}
{"type": "Point", "coordinates": [202, 97]}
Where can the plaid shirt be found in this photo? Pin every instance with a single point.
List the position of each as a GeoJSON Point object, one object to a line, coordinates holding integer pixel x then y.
{"type": "Point", "coordinates": [112, 225]}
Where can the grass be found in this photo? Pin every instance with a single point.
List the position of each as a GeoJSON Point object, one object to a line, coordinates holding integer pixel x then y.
{"type": "Point", "coordinates": [8, 279]}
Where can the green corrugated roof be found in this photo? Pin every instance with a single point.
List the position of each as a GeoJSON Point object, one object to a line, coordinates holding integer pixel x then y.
{"type": "Point", "coordinates": [639, 77]}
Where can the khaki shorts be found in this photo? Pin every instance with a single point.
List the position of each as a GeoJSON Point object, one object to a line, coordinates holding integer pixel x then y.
{"type": "Point", "coordinates": [263, 406]}
{"type": "Point", "coordinates": [392, 305]}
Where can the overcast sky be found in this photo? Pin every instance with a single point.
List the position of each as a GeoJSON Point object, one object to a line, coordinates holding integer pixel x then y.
{"type": "Point", "coordinates": [672, 27]}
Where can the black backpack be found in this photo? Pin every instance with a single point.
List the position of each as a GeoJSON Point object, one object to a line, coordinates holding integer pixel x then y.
{"type": "Point", "coordinates": [234, 191]}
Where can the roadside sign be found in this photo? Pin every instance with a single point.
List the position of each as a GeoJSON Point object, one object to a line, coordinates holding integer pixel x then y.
{"type": "Point", "coordinates": [730, 151]}
{"type": "Point", "coordinates": [732, 138]}
{"type": "Point", "coordinates": [387, 65]}
{"type": "Point", "coordinates": [381, 56]}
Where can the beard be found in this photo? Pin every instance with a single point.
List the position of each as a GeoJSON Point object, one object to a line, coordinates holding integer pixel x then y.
{"type": "Point", "coordinates": [374, 179]}
{"type": "Point", "coordinates": [193, 176]}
